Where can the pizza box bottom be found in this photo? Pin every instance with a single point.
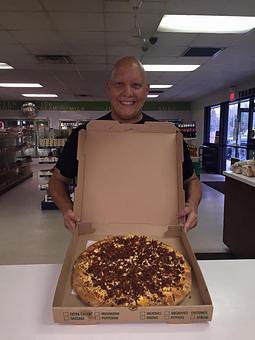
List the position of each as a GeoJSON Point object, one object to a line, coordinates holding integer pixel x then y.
{"type": "Point", "coordinates": [69, 309]}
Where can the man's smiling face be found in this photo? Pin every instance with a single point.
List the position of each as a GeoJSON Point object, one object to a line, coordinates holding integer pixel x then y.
{"type": "Point", "coordinates": [127, 90]}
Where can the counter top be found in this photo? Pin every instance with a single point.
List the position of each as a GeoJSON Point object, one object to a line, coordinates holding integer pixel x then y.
{"type": "Point", "coordinates": [26, 294]}
{"type": "Point", "coordinates": [241, 178]}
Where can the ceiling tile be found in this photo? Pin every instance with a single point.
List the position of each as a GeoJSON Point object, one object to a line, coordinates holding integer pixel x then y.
{"type": "Point", "coordinates": [77, 21]}
{"type": "Point", "coordinates": [85, 49]}
{"type": "Point", "coordinates": [24, 20]}
{"type": "Point", "coordinates": [46, 48]}
{"type": "Point", "coordinates": [215, 40]}
{"type": "Point", "coordinates": [35, 36]}
{"type": "Point", "coordinates": [119, 22]}
{"type": "Point", "coordinates": [6, 38]}
{"type": "Point", "coordinates": [84, 59]}
{"type": "Point", "coordinates": [94, 38]}
{"type": "Point", "coordinates": [169, 51]}
{"type": "Point", "coordinates": [174, 39]}
{"type": "Point", "coordinates": [73, 6]}
{"type": "Point", "coordinates": [18, 5]}
{"type": "Point", "coordinates": [131, 6]}
{"type": "Point", "coordinates": [12, 51]}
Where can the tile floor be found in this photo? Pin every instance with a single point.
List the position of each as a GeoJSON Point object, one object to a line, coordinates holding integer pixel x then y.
{"type": "Point", "coordinates": [30, 235]}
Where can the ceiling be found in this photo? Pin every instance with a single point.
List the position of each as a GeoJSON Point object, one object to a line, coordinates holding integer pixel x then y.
{"type": "Point", "coordinates": [96, 33]}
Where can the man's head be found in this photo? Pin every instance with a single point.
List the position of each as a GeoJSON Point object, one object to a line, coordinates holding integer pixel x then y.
{"type": "Point", "coordinates": [127, 90]}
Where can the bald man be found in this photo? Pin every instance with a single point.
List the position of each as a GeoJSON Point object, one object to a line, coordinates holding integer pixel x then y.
{"type": "Point", "coordinates": [127, 90]}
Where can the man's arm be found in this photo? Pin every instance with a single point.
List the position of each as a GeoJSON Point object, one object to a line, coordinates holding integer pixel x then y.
{"type": "Point", "coordinates": [58, 189]}
{"type": "Point", "coordinates": [193, 195]}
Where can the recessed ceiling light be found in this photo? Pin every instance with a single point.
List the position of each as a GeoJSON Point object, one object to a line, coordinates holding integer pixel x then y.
{"type": "Point", "coordinates": [152, 95]}
{"type": "Point", "coordinates": [5, 66]}
{"type": "Point", "coordinates": [39, 95]}
{"type": "Point", "coordinates": [172, 68]}
{"type": "Point", "coordinates": [160, 86]}
{"type": "Point", "coordinates": [20, 85]}
{"type": "Point", "coordinates": [206, 24]}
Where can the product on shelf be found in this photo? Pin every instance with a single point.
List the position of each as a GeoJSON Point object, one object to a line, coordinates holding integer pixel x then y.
{"type": "Point", "coordinates": [188, 129]}
{"type": "Point", "coordinates": [12, 169]}
{"type": "Point", "coordinates": [193, 150]}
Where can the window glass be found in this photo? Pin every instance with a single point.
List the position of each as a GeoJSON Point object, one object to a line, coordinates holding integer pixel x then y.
{"type": "Point", "coordinates": [236, 153]}
{"type": "Point", "coordinates": [243, 128]}
{"type": "Point", "coordinates": [214, 123]}
{"type": "Point", "coordinates": [232, 124]}
{"type": "Point", "coordinates": [253, 126]}
{"type": "Point", "coordinates": [245, 104]}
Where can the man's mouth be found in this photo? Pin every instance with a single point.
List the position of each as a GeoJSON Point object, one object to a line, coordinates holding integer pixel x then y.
{"type": "Point", "coordinates": [127, 102]}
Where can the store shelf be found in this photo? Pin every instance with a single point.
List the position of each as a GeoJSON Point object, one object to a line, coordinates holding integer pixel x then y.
{"type": "Point", "coordinates": [43, 186]}
{"type": "Point", "coordinates": [47, 160]}
{"type": "Point", "coordinates": [45, 173]}
{"type": "Point", "coordinates": [12, 170]}
{"type": "Point", "coordinates": [13, 182]}
{"type": "Point", "coordinates": [48, 205]}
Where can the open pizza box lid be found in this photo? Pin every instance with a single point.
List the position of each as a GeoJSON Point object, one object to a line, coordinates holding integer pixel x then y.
{"type": "Point", "coordinates": [129, 173]}
{"type": "Point", "coordinates": [130, 181]}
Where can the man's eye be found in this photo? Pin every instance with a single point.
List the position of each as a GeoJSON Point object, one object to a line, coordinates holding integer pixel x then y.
{"type": "Point", "coordinates": [118, 84]}
{"type": "Point", "coordinates": [137, 86]}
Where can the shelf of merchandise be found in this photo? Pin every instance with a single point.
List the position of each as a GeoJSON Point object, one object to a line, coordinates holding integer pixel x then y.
{"type": "Point", "coordinates": [48, 204]}
{"type": "Point", "coordinates": [47, 160]}
{"type": "Point", "coordinates": [12, 170]}
{"type": "Point", "coordinates": [45, 173]}
{"type": "Point", "coordinates": [11, 183]}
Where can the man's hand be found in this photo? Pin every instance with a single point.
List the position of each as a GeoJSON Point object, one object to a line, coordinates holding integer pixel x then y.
{"type": "Point", "coordinates": [190, 217]}
{"type": "Point", "coordinates": [193, 195]}
{"type": "Point", "coordinates": [70, 220]}
{"type": "Point", "coordinates": [58, 188]}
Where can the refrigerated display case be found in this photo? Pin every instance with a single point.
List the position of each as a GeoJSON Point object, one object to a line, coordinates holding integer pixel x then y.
{"type": "Point", "coordinates": [235, 145]}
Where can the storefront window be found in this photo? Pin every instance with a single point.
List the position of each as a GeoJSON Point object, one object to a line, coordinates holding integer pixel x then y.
{"type": "Point", "coordinates": [253, 126]}
{"type": "Point", "coordinates": [243, 128]}
{"type": "Point", "coordinates": [232, 124]}
{"type": "Point", "coordinates": [214, 123]}
{"type": "Point", "coordinates": [245, 104]}
{"type": "Point", "coordinates": [237, 154]}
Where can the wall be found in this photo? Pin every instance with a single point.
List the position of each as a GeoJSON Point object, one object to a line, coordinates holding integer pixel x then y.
{"type": "Point", "coordinates": [55, 116]}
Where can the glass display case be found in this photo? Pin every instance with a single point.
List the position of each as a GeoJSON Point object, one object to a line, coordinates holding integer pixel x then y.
{"type": "Point", "coordinates": [31, 130]}
{"type": "Point", "coordinates": [13, 170]}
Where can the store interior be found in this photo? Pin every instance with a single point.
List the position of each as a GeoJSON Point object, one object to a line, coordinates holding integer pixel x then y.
{"type": "Point", "coordinates": [213, 106]}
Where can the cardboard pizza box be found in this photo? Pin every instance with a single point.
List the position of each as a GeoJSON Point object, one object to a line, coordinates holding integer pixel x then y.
{"type": "Point", "coordinates": [130, 181]}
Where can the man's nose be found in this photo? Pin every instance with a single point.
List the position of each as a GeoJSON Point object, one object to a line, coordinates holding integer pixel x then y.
{"type": "Point", "coordinates": [127, 90]}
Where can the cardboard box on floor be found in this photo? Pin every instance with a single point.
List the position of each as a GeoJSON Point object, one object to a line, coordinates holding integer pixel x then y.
{"type": "Point", "coordinates": [130, 181]}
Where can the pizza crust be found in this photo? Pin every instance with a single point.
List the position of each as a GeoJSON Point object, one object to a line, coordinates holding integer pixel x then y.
{"type": "Point", "coordinates": [131, 271]}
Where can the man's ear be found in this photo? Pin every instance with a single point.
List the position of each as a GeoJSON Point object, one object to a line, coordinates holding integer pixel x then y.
{"type": "Point", "coordinates": [148, 88]}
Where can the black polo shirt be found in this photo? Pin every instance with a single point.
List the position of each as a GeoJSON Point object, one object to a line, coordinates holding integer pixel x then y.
{"type": "Point", "coordinates": [68, 164]}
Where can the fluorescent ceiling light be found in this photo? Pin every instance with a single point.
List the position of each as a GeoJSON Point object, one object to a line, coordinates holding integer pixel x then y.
{"type": "Point", "coordinates": [20, 85]}
{"type": "Point", "coordinates": [171, 68]}
{"type": "Point", "coordinates": [39, 95]}
{"type": "Point", "coordinates": [152, 95]}
{"type": "Point", "coordinates": [206, 24]}
{"type": "Point", "coordinates": [160, 86]}
{"type": "Point", "coordinates": [5, 66]}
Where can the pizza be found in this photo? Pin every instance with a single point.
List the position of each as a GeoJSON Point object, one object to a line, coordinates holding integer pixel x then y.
{"type": "Point", "coordinates": [131, 271]}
